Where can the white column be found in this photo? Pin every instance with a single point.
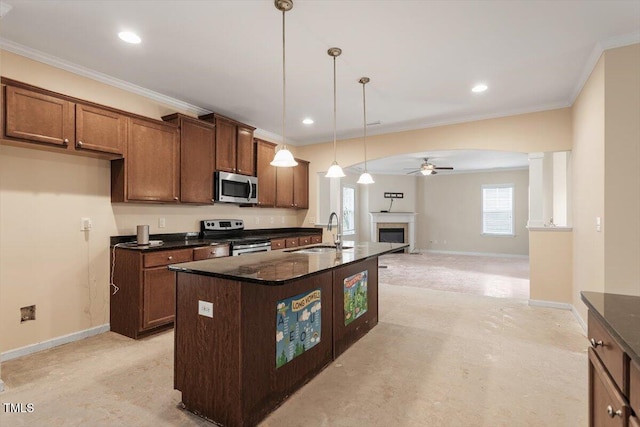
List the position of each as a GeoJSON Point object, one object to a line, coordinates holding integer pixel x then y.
{"type": "Point", "coordinates": [561, 188]}
{"type": "Point", "coordinates": [536, 190]}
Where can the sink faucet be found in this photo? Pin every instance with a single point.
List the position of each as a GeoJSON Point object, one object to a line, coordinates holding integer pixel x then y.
{"type": "Point", "coordinates": [337, 238]}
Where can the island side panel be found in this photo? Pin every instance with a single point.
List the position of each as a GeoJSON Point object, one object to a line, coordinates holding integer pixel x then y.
{"type": "Point", "coordinates": [207, 349]}
{"type": "Point", "coordinates": [266, 386]}
{"type": "Point", "coordinates": [345, 335]}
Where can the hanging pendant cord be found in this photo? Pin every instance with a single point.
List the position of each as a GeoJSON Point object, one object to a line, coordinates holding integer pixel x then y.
{"type": "Point", "coordinates": [335, 150]}
{"type": "Point", "coordinates": [284, 85]}
{"type": "Point", "coordinates": [364, 108]}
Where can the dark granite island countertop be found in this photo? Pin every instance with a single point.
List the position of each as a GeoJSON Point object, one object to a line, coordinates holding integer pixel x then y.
{"type": "Point", "coordinates": [620, 314]}
{"type": "Point", "coordinates": [283, 266]}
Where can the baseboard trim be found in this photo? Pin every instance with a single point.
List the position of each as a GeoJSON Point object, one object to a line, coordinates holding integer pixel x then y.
{"type": "Point", "coordinates": [550, 304]}
{"type": "Point", "coordinates": [579, 318]}
{"type": "Point", "coordinates": [54, 342]}
{"type": "Point", "coordinates": [432, 251]}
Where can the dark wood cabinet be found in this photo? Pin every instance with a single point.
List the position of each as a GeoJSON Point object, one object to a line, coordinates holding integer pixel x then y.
{"type": "Point", "coordinates": [292, 186]}
{"type": "Point", "coordinates": [234, 145]}
{"type": "Point", "coordinates": [266, 173]}
{"type": "Point", "coordinates": [278, 244]}
{"type": "Point", "coordinates": [301, 185]}
{"type": "Point", "coordinates": [197, 158]}
{"type": "Point", "coordinates": [151, 170]}
{"type": "Point", "coordinates": [100, 130]}
{"type": "Point", "coordinates": [37, 117]}
{"type": "Point", "coordinates": [60, 123]}
{"type": "Point", "coordinates": [611, 379]}
{"type": "Point", "coordinates": [145, 298]}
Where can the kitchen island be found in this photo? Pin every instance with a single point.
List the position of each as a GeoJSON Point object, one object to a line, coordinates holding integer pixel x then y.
{"type": "Point", "coordinates": [250, 330]}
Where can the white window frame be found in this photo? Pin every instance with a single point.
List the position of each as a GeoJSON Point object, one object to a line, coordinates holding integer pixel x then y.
{"type": "Point", "coordinates": [351, 231]}
{"type": "Point", "coordinates": [482, 210]}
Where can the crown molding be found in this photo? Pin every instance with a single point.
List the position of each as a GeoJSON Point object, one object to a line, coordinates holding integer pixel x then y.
{"type": "Point", "coordinates": [598, 50]}
{"type": "Point", "coordinates": [54, 61]}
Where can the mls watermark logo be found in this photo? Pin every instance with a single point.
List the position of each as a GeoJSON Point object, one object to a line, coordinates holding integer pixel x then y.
{"type": "Point", "coordinates": [19, 408]}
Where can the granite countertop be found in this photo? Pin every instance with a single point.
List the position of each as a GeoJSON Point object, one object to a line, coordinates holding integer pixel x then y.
{"type": "Point", "coordinates": [171, 244]}
{"type": "Point", "coordinates": [282, 266]}
{"type": "Point", "coordinates": [620, 314]}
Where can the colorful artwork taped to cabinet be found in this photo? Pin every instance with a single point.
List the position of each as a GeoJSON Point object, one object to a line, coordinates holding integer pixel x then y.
{"type": "Point", "coordinates": [355, 296]}
{"type": "Point", "coordinates": [298, 325]}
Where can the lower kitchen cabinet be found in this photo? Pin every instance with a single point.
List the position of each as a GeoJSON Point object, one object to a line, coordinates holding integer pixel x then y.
{"type": "Point", "coordinates": [607, 405]}
{"type": "Point", "coordinates": [143, 291]}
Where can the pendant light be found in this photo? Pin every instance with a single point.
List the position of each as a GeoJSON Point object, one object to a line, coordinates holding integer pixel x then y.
{"type": "Point", "coordinates": [283, 157]}
{"type": "Point", "coordinates": [335, 171]}
{"type": "Point", "coordinates": [365, 178]}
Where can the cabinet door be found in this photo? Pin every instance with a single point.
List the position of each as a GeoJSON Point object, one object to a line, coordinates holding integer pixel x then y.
{"type": "Point", "coordinates": [316, 239]}
{"type": "Point", "coordinates": [266, 173]}
{"type": "Point", "coordinates": [100, 130]}
{"type": "Point", "coordinates": [301, 185]}
{"type": "Point", "coordinates": [284, 187]}
{"type": "Point", "coordinates": [245, 151]}
{"type": "Point", "coordinates": [278, 244]}
{"type": "Point", "coordinates": [197, 161]}
{"type": "Point", "coordinates": [607, 406]}
{"type": "Point", "coordinates": [225, 146]}
{"type": "Point", "coordinates": [159, 297]}
{"type": "Point", "coordinates": [304, 240]}
{"type": "Point", "coordinates": [36, 117]}
{"type": "Point", "coordinates": [152, 160]}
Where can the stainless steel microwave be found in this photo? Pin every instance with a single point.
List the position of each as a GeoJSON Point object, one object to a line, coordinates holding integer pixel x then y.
{"type": "Point", "coordinates": [235, 188]}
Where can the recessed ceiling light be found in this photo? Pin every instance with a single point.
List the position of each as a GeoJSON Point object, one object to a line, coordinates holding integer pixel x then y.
{"type": "Point", "coordinates": [479, 88]}
{"type": "Point", "coordinates": [308, 121]}
{"type": "Point", "coordinates": [129, 37]}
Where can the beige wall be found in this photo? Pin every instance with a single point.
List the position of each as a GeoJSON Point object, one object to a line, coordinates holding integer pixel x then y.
{"type": "Point", "coordinates": [550, 272]}
{"type": "Point", "coordinates": [622, 170]}
{"type": "Point", "coordinates": [450, 213]}
{"type": "Point", "coordinates": [44, 257]}
{"type": "Point", "coordinates": [588, 187]}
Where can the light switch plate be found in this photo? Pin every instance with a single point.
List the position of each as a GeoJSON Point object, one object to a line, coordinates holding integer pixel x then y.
{"type": "Point", "coordinates": [205, 308]}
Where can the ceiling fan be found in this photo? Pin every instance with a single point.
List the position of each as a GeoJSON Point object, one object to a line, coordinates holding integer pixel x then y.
{"type": "Point", "coordinates": [428, 168]}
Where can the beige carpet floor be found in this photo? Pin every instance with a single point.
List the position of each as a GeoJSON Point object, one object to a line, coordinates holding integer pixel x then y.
{"type": "Point", "coordinates": [493, 276]}
{"type": "Point", "coordinates": [435, 359]}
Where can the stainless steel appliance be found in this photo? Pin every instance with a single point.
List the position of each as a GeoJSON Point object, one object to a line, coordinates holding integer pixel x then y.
{"type": "Point", "coordinates": [232, 231]}
{"type": "Point", "coordinates": [235, 188]}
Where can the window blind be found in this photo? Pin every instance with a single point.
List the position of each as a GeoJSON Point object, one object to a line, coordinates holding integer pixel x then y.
{"type": "Point", "coordinates": [497, 209]}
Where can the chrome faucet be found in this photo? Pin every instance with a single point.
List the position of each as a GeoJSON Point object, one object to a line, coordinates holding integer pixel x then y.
{"type": "Point", "coordinates": [337, 238]}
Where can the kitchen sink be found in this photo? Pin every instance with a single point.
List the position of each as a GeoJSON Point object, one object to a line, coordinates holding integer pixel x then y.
{"type": "Point", "coordinates": [317, 249]}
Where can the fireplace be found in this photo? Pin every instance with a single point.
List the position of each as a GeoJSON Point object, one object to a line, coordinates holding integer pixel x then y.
{"type": "Point", "coordinates": [395, 227]}
{"type": "Point", "coordinates": [391, 235]}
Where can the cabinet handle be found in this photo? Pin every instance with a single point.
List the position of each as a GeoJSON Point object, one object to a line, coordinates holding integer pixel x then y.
{"type": "Point", "coordinates": [595, 343]}
{"type": "Point", "coordinates": [66, 141]}
{"type": "Point", "coordinates": [613, 413]}
{"type": "Point", "coordinates": [79, 144]}
{"type": "Point", "coordinates": [213, 200]}
{"type": "Point", "coordinates": [170, 258]}
{"type": "Point", "coordinates": [175, 198]}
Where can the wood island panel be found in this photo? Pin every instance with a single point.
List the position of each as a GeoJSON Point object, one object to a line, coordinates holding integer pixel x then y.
{"type": "Point", "coordinates": [634, 389]}
{"type": "Point", "coordinates": [345, 336]}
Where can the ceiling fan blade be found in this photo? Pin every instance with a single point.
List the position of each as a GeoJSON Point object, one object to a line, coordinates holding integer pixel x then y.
{"type": "Point", "coordinates": [443, 168]}
{"type": "Point", "coordinates": [414, 171]}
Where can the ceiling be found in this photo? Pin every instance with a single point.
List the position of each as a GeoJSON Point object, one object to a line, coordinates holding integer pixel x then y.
{"type": "Point", "coordinates": [423, 57]}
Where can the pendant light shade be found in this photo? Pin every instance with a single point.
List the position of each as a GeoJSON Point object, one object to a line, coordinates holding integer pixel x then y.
{"type": "Point", "coordinates": [335, 171]}
{"type": "Point", "coordinates": [365, 178]}
{"type": "Point", "coordinates": [283, 157]}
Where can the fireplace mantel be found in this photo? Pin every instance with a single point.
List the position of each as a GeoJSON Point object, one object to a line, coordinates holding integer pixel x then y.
{"type": "Point", "coordinates": [408, 218]}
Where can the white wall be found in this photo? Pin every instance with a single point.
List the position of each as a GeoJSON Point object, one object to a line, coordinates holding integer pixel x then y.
{"type": "Point", "coordinates": [450, 213]}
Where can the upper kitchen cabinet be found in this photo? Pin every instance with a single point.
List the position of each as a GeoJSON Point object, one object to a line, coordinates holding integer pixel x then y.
{"type": "Point", "coordinates": [151, 170]}
{"type": "Point", "coordinates": [234, 145]}
{"type": "Point", "coordinates": [197, 158]}
{"type": "Point", "coordinates": [52, 121]}
{"type": "Point", "coordinates": [266, 173]}
{"type": "Point", "coordinates": [292, 186]}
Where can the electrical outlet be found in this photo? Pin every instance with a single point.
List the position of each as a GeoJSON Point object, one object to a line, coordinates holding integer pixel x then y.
{"type": "Point", "coordinates": [282, 219]}
{"type": "Point", "coordinates": [205, 308]}
{"type": "Point", "coordinates": [312, 220]}
{"type": "Point", "coordinates": [85, 224]}
{"type": "Point", "coordinates": [28, 313]}
{"type": "Point", "coordinates": [272, 220]}
{"type": "Point", "coordinates": [162, 223]}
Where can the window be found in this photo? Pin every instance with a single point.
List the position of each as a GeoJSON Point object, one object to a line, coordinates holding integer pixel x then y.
{"type": "Point", "coordinates": [348, 210]}
{"type": "Point", "coordinates": [497, 209]}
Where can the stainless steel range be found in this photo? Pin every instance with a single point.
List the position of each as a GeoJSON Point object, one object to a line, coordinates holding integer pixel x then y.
{"type": "Point", "coordinates": [232, 230]}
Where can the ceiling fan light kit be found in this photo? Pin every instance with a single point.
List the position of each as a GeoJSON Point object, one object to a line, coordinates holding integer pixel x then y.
{"type": "Point", "coordinates": [427, 168]}
{"type": "Point", "coordinates": [335, 171]}
{"type": "Point", "coordinates": [283, 157]}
